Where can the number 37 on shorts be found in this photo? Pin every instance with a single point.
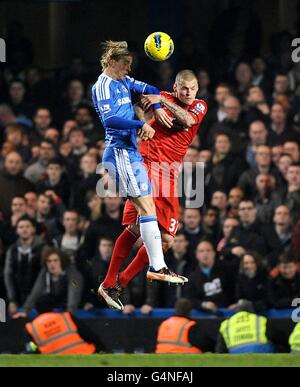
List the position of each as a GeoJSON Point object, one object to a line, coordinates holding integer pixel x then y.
{"type": "Point", "coordinates": [173, 226]}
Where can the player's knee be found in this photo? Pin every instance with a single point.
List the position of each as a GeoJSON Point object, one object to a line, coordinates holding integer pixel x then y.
{"type": "Point", "coordinates": [134, 228]}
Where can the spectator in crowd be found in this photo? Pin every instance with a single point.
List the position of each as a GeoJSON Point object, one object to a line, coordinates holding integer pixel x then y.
{"type": "Point", "coordinates": [49, 213]}
{"type": "Point", "coordinates": [42, 120]}
{"type": "Point", "coordinates": [56, 180]}
{"type": "Point", "coordinates": [94, 270]}
{"type": "Point", "coordinates": [252, 280]}
{"type": "Point", "coordinates": [209, 286]}
{"type": "Point", "coordinates": [265, 185]}
{"type": "Point", "coordinates": [234, 198]}
{"type": "Point", "coordinates": [78, 141]}
{"type": "Point", "coordinates": [204, 82]}
{"type": "Point", "coordinates": [280, 131]}
{"type": "Point", "coordinates": [263, 165]}
{"type": "Point", "coordinates": [292, 148]}
{"type": "Point", "coordinates": [233, 125]}
{"type": "Point", "coordinates": [53, 135]}
{"type": "Point", "coordinates": [12, 182]}
{"type": "Point", "coordinates": [7, 117]}
{"type": "Point", "coordinates": [22, 264]}
{"type": "Point", "coordinates": [7, 147]}
{"type": "Point", "coordinates": [291, 195]}
{"type": "Point", "coordinates": [31, 204]}
{"type": "Point", "coordinates": [108, 225]}
{"type": "Point", "coordinates": [16, 136]}
{"type": "Point", "coordinates": [211, 223]}
{"type": "Point", "coordinates": [74, 98]}
{"type": "Point", "coordinates": [296, 241]}
{"type": "Point", "coordinates": [219, 200]}
{"type": "Point", "coordinates": [276, 151]}
{"type": "Point", "coordinates": [284, 162]}
{"type": "Point", "coordinates": [84, 120]}
{"type": "Point", "coordinates": [260, 75]}
{"type": "Point", "coordinates": [58, 285]}
{"type": "Point", "coordinates": [224, 169]}
{"type": "Point", "coordinates": [215, 114]}
{"type": "Point", "coordinates": [252, 235]}
{"type": "Point", "coordinates": [258, 136]}
{"type": "Point", "coordinates": [188, 175]}
{"type": "Point", "coordinates": [192, 227]}
{"type": "Point", "coordinates": [243, 77]}
{"type": "Point", "coordinates": [284, 288]}
{"type": "Point", "coordinates": [204, 156]}
{"type": "Point", "coordinates": [228, 226]}
{"type": "Point", "coordinates": [67, 127]}
{"type": "Point", "coordinates": [17, 100]}
{"type": "Point", "coordinates": [36, 171]}
{"type": "Point", "coordinates": [283, 226]}
{"type": "Point", "coordinates": [18, 209]}
{"type": "Point", "coordinates": [257, 107]}
{"type": "Point", "coordinates": [85, 182]}
{"type": "Point", "coordinates": [94, 203]}
{"type": "Point", "coordinates": [282, 88]}
{"type": "Point", "coordinates": [71, 239]}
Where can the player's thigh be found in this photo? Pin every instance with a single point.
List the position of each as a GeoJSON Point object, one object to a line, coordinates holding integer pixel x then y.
{"type": "Point", "coordinates": [145, 205]}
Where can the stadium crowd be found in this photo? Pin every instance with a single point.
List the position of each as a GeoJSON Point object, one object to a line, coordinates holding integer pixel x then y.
{"type": "Point", "coordinates": [57, 234]}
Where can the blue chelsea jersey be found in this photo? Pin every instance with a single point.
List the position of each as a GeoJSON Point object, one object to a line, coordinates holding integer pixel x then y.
{"type": "Point", "coordinates": [112, 98]}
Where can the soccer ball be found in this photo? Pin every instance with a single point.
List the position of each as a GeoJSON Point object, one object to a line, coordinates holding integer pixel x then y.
{"type": "Point", "coordinates": [159, 46]}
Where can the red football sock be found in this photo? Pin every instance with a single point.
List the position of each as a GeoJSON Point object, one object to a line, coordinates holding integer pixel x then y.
{"type": "Point", "coordinates": [122, 248]}
{"type": "Point", "coordinates": [136, 265]}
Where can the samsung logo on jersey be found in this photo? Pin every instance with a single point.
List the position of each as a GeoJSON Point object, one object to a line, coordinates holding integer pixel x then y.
{"type": "Point", "coordinates": [123, 101]}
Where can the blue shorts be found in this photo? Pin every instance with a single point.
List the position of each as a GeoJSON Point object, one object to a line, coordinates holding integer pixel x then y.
{"type": "Point", "coordinates": [128, 172]}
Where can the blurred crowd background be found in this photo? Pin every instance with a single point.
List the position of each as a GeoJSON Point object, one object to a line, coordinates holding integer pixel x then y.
{"type": "Point", "coordinates": [57, 235]}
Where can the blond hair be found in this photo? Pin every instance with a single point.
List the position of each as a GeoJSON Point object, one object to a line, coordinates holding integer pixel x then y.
{"type": "Point", "coordinates": [113, 50]}
{"type": "Point", "coordinates": [185, 75]}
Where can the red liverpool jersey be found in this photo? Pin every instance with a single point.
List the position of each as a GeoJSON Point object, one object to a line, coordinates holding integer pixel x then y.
{"type": "Point", "coordinates": [170, 144]}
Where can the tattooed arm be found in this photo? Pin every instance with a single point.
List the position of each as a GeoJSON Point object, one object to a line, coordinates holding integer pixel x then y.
{"type": "Point", "coordinates": [183, 116]}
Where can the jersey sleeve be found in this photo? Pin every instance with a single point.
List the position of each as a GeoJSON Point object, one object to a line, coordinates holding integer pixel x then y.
{"type": "Point", "coordinates": [104, 101]}
{"type": "Point", "coordinates": [198, 110]}
{"type": "Point", "coordinates": [142, 88]}
{"type": "Point", "coordinates": [136, 86]}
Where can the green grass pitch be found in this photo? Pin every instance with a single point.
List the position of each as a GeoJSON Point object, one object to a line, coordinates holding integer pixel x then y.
{"type": "Point", "coordinates": [151, 360]}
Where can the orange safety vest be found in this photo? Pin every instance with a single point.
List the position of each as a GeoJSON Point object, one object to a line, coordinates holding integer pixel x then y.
{"type": "Point", "coordinates": [57, 333]}
{"type": "Point", "coordinates": [173, 336]}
